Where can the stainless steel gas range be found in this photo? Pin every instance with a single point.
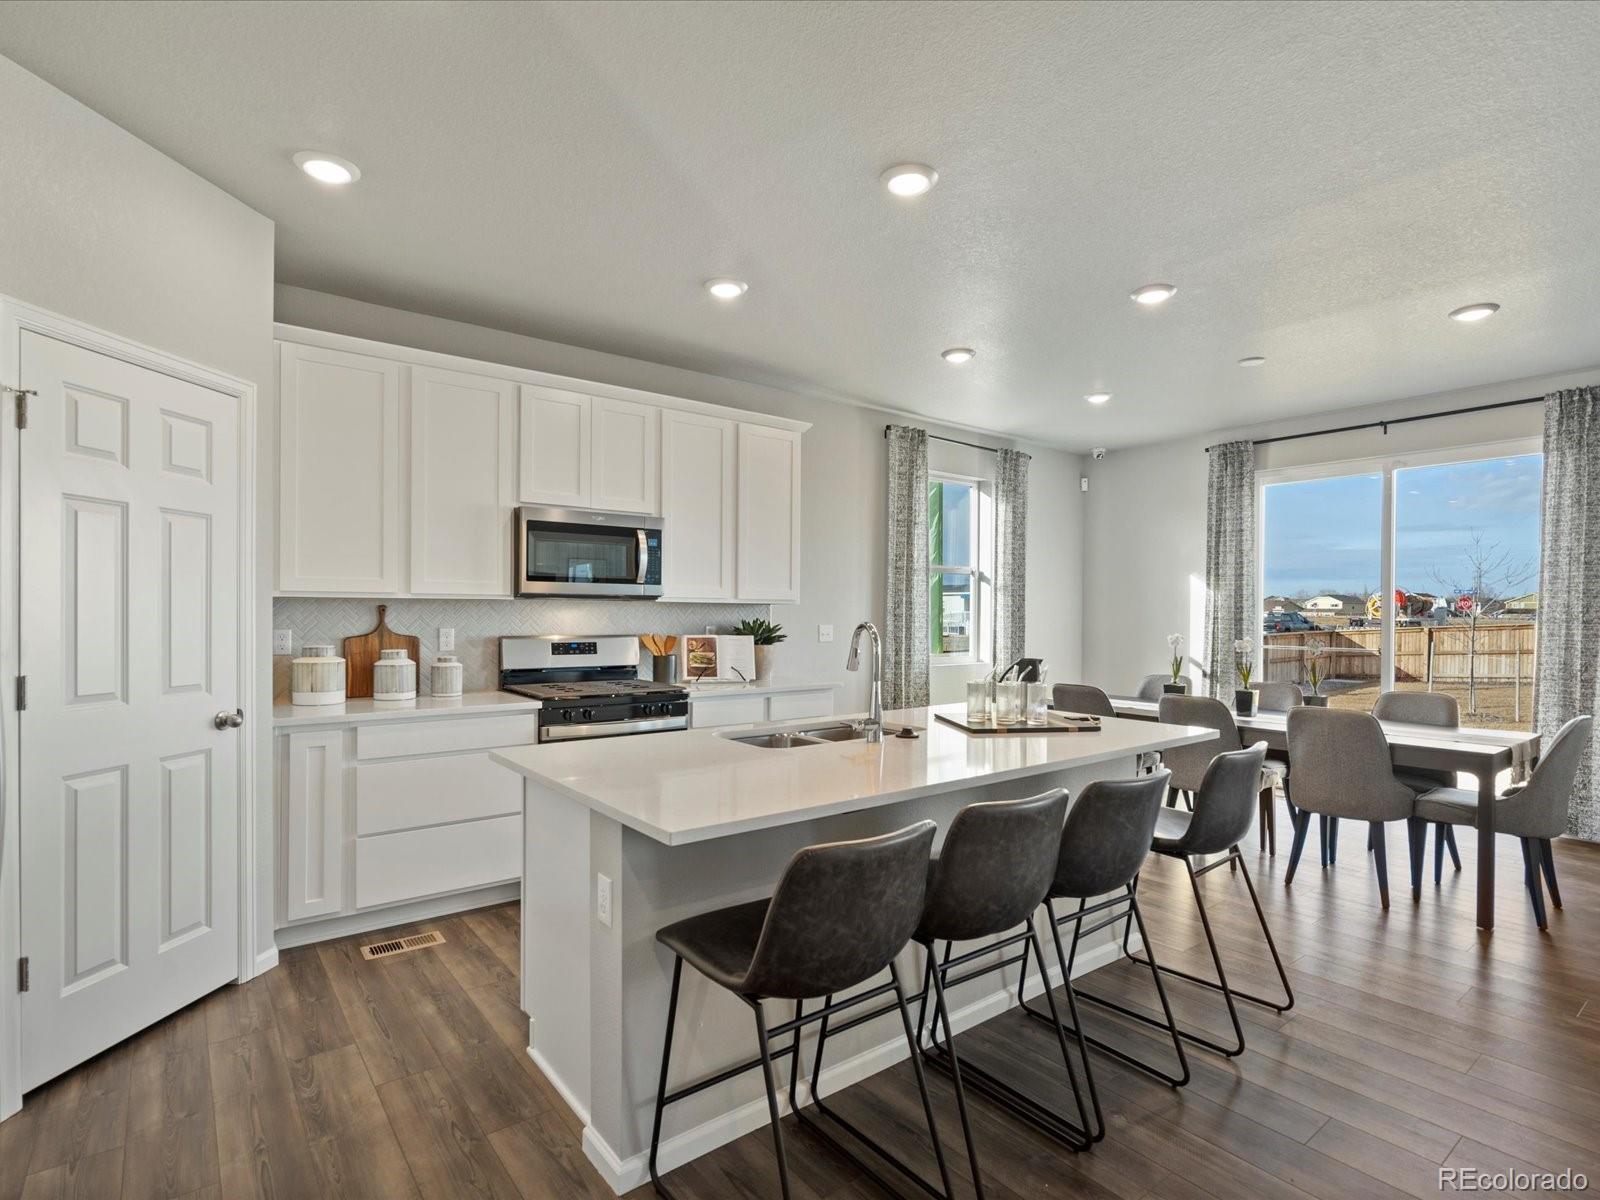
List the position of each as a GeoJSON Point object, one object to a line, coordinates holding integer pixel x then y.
{"type": "Point", "coordinates": [589, 687]}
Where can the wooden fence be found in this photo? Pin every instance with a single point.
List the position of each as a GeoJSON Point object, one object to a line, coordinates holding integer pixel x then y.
{"type": "Point", "coordinates": [1422, 654]}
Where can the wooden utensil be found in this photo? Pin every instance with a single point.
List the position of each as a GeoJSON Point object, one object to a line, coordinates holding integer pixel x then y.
{"type": "Point", "coordinates": [361, 652]}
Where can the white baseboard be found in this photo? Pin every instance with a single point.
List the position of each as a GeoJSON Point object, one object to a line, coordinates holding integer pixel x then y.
{"type": "Point", "coordinates": [265, 961]}
{"type": "Point", "coordinates": [622, 1175]}
{"type": "Point", "coordinates": [580, 1109]}
{"type": "Point", "coordinates": [398, 914]}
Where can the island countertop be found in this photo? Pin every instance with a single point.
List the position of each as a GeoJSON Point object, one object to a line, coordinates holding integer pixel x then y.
{"type": "Point", "coordinates": [699, 784]}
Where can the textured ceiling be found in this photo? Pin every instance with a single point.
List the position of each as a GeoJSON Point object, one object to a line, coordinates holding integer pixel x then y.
{"type": "Point", "coordinates": [1323, 182]}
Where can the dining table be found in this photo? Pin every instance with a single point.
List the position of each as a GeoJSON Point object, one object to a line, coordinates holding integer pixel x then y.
{"type": "Point", "coordinates": [1482, 753]}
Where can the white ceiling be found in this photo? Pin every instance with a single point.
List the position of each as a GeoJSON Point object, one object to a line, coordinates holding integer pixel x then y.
{"type": "Point", "coordinates": [1323, 182]}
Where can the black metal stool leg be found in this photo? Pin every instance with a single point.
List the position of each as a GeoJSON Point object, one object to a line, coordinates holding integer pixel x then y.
{"type": "Point", "coordinates": [772, 1094]}
{"type": "Point", "coordinates": [941, 1013]}
{"type": "Point", "coordinates": [661, 1088]}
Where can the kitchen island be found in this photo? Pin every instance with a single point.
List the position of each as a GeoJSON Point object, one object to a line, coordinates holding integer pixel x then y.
{"type": "Point", "coordinates": [625, 835]}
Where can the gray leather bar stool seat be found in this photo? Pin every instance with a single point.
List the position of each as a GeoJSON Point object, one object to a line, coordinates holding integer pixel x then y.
{"type": "Point", "coordinates": [1189, 764]}
{"type": "Point", "coordinates": [1440, 711]}
{"type": "Point", "coordinates": [1103, 847]}
{"type": "Point", "coordinates": [1081, 698]}
{"type": "Point", "coordinates": [991, 874]}
{"type": "Point", "coordinates": [840, 915]}
{"type": "Point", "coordinates": [1222, 812]}
{"type": "Point", "coordinates": [1535, 811]}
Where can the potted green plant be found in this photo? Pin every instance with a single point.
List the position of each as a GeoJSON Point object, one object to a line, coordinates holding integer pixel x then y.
{"type": "Point", "coordinates": [1244, 665]}
{"type": "Point", "coordinates": [1314, 651]}
{"type": "Point", "coordinates": [1177, 685]}
{"type": "Point", "coordinates": [765, 635]}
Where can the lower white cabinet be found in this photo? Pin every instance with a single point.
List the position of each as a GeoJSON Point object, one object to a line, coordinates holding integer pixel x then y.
{"type": "Point", "coordinates": [391, 867]}
{"type": "Point", "coordinates": [747, 708]}
{"type": "Point", "coordinates": [313, 857]}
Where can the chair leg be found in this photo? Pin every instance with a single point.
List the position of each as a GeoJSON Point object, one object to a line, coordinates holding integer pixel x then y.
{"type": "Point", "coordinates": [1380, 860]}
{"type": "Point", "coordinates": [661, 1087]}
{"type": "Point", "coordinates": [1262, 808]}
{"type": "Point", "coordinates": [1532, 878]}
{"type": "Point", "coordinates": [1271, 805]}
{"type": "Point", "coordinates": [1333, 840]}
{"type": "Point", "coordinates": [941, 1014]}
{"type": "Point", "coordinates": [1371, 840]}
{"type": "Point", "coordinates": [1417, 836]}
{"type": "Point", "coordinates": [1302, 822]}
{"type": "Point", "coordinates": [1322, 834]}
{"type": "Point", "coordinates": [772, 1096]}
{"type": "Point", "coordinates": [1450, 844]}
{"type": "Point", "coordinates": [1547, 859]}
{"type": "Point", "coordinates": [1440, 836]}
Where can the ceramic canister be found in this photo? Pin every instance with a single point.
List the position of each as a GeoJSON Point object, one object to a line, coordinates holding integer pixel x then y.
{"type": "Point", "coordinates": [316, 676]}
{"type": "Point", "coordinates": [446, 675]}
{"type": "Point", "coordinates": [394, 676]}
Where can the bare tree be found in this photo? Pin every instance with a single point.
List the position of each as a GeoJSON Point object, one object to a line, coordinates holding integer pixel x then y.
{"type": "Point", "coordinates": [1489, 572]}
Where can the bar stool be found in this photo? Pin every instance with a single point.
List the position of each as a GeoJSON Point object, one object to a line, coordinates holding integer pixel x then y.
{"type": "Point", "coordinates": [1221, 817]}
{"type": "Point", "coordinates": [991, 874]}
{"type": "Point", "coordinates": [840, 914]}
{"type": "Point", "coordinates": [1103, 845]}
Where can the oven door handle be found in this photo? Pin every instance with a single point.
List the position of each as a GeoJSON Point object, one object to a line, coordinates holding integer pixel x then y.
{"type": "Point", "coordinates": [644, 556]}
{"type": "Point", "coordinates": [562, 733]}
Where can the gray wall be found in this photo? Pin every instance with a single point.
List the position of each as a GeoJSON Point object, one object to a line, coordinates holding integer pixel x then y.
{"type": "Point", "coordinates": [842, 553]}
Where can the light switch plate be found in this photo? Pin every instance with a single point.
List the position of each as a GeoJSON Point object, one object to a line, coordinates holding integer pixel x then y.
{"type": "Point", "coordinates": [824, 633]}
{"type": "Point", "coordinates": [602, 900]}
{"type": "Point", "coordinates": [283, 641]}
{"type": "Point", "coordinates": [447, 640]}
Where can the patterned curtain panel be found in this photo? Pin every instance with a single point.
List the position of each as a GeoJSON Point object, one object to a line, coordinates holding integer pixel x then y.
{"type": "Point", "coordinates": [905, 624]}
{"type": "Point", "coordinates": [1568, 653]}
{"type": "Point", "coordinates": [1230, 561]}
{"type": "Point", "coordinates": [1010, 556]}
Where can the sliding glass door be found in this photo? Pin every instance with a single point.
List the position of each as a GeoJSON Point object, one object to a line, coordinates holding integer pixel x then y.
{"type": "Point", "coordinates": [1414, 574]}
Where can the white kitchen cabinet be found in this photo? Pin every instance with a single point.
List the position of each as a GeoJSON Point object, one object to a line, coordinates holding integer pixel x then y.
{"type": "Point", "coordinates": [462, 482]}
{"type": "Point", "coordinates": [698, 499]}
{"type": "Point", "coordinates": [340, 477]}
{"type": "Point", "coordinates": [556, 447]}
{"type": "Point", "coordinates": [768, 514]}
{"type": "Point", "coordinates": [625, 466]}
{"type": "Point", "coordinates": [313, 824]}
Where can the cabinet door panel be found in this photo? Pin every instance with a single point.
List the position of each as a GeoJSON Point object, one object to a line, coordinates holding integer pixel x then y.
{"type": "Point", "coordinates": [429, 862]}
{"type": "Point", "coordinates": [556, 447]}
{"type": "Point", "coordinates": [769, 514]}
{"type": "Point", "coordinates": [461, 483]}
{"type": "Point", "coordinates": [697, 504]}
{"type": "Point", "coordinates": [627, 456]}
{"type": "Point", "coordinates": [314, 812]}
{"type": "Point", "coordinates": [339, 488]}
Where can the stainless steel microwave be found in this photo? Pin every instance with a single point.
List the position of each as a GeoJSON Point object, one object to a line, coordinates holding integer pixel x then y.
{"type": "Point", "coordinates": [576, 552]}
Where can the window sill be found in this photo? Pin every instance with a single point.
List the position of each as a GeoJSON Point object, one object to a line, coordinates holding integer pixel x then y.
{"type": "Point", "coordinates": [964, 663]}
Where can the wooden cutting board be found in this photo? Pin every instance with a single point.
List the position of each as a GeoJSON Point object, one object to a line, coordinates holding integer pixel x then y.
{"type": "Point", "coordinates": [360, 653]}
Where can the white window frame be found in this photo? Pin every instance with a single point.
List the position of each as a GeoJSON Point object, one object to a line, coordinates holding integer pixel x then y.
{"type": "Point", "coordinates": [1385, 467]}
{"type": "Point", "coordinates": [981, 572]}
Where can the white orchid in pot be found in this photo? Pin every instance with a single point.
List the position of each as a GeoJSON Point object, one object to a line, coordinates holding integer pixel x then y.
{"type": "Point", "coordinates": [1314, 651]}
{"type": "Point", "coordinates": [1244, 666]}
{"type": "Point", "coordinates": [1175, 645]}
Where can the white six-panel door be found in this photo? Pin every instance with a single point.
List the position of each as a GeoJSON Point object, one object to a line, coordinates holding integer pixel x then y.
{"type": "Point", "coordinates": [129, 642]}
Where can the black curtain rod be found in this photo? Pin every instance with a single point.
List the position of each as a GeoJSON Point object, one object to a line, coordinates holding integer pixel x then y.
{"type": "Point", "coordinates": [1384, 425]}
{"type": "Point", "coordinates": [952, 441]}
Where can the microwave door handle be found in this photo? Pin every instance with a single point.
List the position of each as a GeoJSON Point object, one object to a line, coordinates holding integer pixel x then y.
{"type": "Point", "coordinates": [644, 556]}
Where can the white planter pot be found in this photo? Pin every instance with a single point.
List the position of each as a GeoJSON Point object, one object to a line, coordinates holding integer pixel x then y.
{"type": "Point", "coordinates": [764, 663]}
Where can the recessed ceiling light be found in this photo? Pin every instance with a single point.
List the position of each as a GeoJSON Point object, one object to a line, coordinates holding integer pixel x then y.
{"type": "Point", "coordinates": [1098, 397]}
{"type": "Point", "coordinates": [1475, 312]}
{"type": "Point", "coordinates": [327, 168]}
{"type": "Point", "coordinates": [1154, 293]}
{"type": "Point", "coordinates": [727, 289]}
{"type": "Point", "coordinates": [957, 355]}
{"type": "Point", "coordinates": [1253, 360]}
{"type": "Point", "coordinates": [910, 179]}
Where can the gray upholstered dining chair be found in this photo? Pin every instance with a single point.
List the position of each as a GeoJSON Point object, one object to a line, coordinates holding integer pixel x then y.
{"type": "Point", "coordinates": [1081, 698]}
{"type": "Point", "coordinates": [1441, 712]}
{"type": "Point", "coordinates": [1189, 764]}
{"type": "Point", "coordinates": [1153, 687]}
{"type": "Point", "coordinates": [1535, 811]}
{"type": "Point", "coordinates": [1342, 768]}
{"type": "Point", "coordinates": [1278, 696]}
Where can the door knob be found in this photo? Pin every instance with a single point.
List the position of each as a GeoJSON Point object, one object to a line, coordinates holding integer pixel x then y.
{"type": "Point", "coordinates": [229, 720]}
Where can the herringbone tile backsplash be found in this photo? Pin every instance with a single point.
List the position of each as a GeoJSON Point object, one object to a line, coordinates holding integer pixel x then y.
{"type": "Point", "coordinates": [479, 624]}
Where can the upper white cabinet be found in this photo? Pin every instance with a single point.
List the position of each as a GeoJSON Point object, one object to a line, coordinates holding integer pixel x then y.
{"type": "Point", "coordinates": [698, 504]}
{"type": "Point", "coordinates": [463, 444]}
{"type": "Point", "coordinates": [339, 481]}
{"type": "Point", "coordinates": [556, 447]}
{"type": "Point", "coordinates": [625, 471]}
{"type": "Point", "coordinates": [769, 514]}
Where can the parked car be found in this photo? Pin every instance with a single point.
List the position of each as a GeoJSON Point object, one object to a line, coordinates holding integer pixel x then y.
{"type": "Point", "coordinates": [1288, 622]}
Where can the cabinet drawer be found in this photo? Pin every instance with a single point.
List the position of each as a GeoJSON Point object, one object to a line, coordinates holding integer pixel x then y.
{"type": "Point", "coordinates": [446, 858]}
{"type": "Point", "coordinates": [788, 706]}
{"type": "Point", "coordinates": [727, 710]}
{"type": "Point", "coordinates": [433, 791]}
{"type": "Point", "coordinates": [396, 738]}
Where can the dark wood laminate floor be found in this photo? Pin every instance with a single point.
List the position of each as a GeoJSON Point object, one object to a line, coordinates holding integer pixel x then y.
{"type": "Point", "coordinates": [1416, 1043]}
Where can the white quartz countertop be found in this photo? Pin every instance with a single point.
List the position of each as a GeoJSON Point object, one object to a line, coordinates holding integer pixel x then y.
{"type": "Point", "coordinates": [351, 712]}
{"type": "Point", "coordinates": [773, 687]}
{"type": "Point", "coordinates": [697, 785]}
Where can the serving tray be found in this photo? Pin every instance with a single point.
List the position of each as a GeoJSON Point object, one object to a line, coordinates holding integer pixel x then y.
{"type": "Point", "coordinates": [1055, 722]}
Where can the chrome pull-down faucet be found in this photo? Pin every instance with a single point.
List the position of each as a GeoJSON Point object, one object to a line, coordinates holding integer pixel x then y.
{"type": "Point", "coordinates": [874, 723]}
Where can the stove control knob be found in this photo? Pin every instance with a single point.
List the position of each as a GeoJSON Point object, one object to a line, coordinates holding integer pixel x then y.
{"type": "Point", "coordinates": [587, 714]}
{"type": "Point", "coordinates": [566, 714]}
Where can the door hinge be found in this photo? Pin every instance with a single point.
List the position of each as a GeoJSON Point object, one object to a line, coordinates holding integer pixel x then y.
{"type": "Point", "coordinates": [22, 395]}
{"type": "Point", "coordinates": [22, 692]}
{"type": "Point", "coordinates": [22, 974]}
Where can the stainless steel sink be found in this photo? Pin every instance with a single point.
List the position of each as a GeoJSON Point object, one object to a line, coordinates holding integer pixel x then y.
{"type": "Point", "coordinates": [840, 733]}
{"type": "Point", "coordinates": [817, 735]}
{"type": "Point", "coordinates": [773, 741]}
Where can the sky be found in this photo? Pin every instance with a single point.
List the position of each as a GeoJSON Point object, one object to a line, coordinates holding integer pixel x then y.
{"type": "Point", "coordinates": [1322, 534]}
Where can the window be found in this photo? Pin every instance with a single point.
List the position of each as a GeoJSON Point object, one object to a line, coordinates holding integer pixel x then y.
{"type": "Point", "coordinates": [1457, 611]}
{"type": "Point", "coordinates": [956, 582]}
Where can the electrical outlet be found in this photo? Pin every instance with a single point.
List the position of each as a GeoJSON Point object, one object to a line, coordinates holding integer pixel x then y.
{"type": "Point", "coordinates": [283, 641]}
{"type": "Point", "coordinates": [824, 633]}
{"type": "Point", "coordinates": [602, 900]}
{"type": "Point", "coordinates": [447, 640]}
